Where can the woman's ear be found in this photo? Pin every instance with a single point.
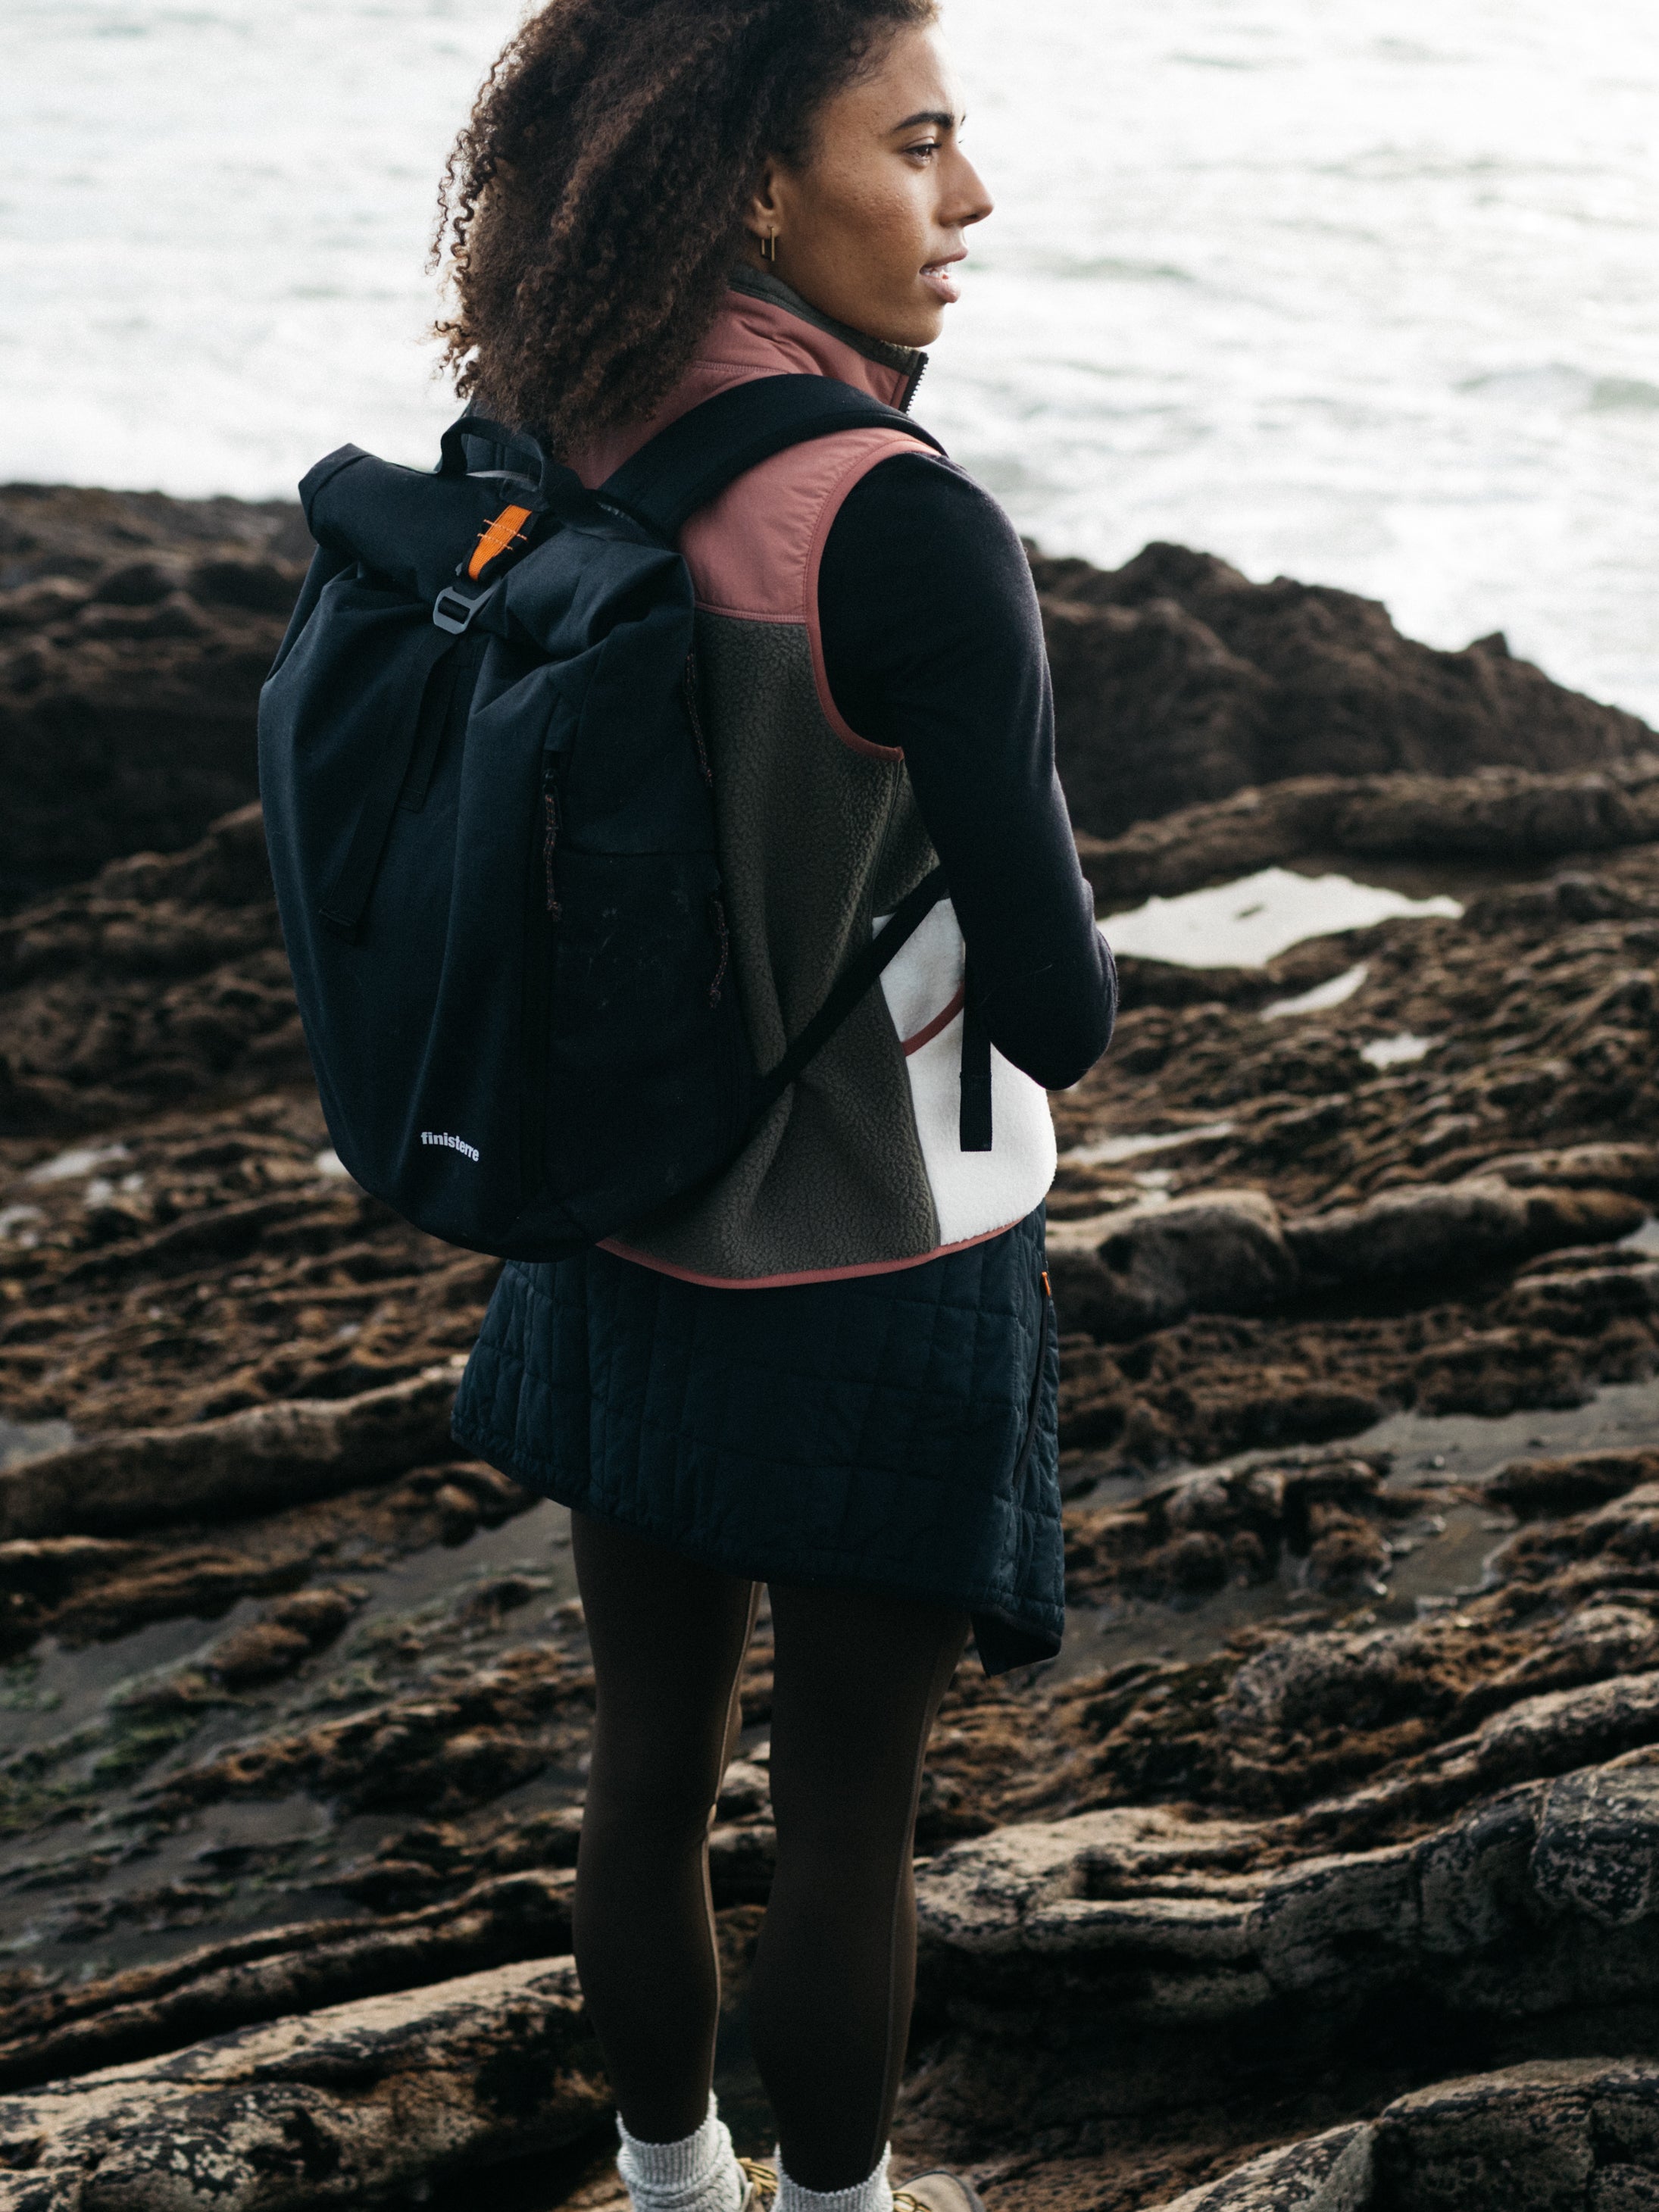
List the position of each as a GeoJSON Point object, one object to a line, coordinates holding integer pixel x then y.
{"type": "Point", "coordinates": [765, 217]}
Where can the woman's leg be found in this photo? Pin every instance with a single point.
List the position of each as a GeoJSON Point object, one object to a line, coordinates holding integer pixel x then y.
{"type": "Point", "coordinates": [668, 1640]}
{"type": "Point", "coordinates": [859, 1679]}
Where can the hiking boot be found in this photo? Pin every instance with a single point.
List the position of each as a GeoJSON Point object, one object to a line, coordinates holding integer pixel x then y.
{"type": "Point", "coordinates": [938, 2191]}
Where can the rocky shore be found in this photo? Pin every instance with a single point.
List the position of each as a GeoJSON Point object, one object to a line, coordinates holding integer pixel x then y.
{"type": "Point", "coordinates": [1319, 1873]}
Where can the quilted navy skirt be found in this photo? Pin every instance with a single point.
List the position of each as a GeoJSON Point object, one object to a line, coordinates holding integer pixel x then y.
{"type": "Point", "coordinates": [895, 1431]}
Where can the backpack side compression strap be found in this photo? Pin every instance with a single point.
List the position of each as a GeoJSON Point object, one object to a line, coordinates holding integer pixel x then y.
{"type": "Point", "coordinates": [694, 459]}
{"type": "Point", "coordinates": [849, 987]}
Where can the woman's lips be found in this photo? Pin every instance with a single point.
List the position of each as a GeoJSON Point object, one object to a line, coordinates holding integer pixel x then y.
{"type": "Point", "coordinates": [938, 278]}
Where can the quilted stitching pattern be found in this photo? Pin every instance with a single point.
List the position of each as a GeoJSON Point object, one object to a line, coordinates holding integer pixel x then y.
{"type": "Point", "coordinates": [864, 1433]}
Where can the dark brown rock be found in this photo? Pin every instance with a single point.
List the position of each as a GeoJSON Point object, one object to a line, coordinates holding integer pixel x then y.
{"type": "Point", "coordinates": [268, 1456]}
{"type": "Point", "coordinates": [139, 630]}
{"type": "Point", "coordinates": [1176, 674]}
{"type": "Point", "coordinates": [1224, 1252]}
{"type": "Point", "coordinates": [1578, 2134]}
{"type": "Point", "coordinates": [341, 2106]}
{"type": "Point", "coordinates": [1517, 817]}
{"type": "Point", "coordinates": [297, 1969]}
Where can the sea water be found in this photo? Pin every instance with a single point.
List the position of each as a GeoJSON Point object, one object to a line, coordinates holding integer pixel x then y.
{"type": "Point", "coordinates": [1364, 291]}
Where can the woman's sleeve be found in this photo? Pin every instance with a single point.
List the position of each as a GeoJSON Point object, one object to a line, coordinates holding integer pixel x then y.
{"type": "Point", "coordinates": [932, 643]}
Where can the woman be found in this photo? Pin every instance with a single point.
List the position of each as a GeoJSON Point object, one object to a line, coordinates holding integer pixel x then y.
{"type": "Point", "coordinates": [834, 1370]}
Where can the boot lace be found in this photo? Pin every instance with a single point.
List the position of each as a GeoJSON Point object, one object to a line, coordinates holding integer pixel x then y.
{"type": "Point", "coordinates": [762, 2178]}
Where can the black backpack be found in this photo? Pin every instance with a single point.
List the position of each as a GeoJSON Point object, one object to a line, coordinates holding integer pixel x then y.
{"type": "Point", "coordinates": [489, 810]}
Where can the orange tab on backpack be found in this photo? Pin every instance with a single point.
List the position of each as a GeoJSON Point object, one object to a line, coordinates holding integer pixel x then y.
{"type": "Point", "coordinates": [503, 531]}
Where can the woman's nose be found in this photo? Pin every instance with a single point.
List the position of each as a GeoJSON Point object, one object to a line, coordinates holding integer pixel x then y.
{"type": "Point", "coordinates": [973, 201]}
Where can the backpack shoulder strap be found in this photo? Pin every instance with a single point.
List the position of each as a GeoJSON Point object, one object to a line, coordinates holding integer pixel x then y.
{"type": "Point", "coordinates": [694, 459]}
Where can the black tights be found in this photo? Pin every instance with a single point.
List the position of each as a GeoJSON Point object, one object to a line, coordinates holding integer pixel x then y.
{"type": "Point", "coordinates": [858, 1677]}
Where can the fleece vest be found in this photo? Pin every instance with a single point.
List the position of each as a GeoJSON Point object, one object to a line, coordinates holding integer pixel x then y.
{"type": "Point", "coordinates": [858, 1168]}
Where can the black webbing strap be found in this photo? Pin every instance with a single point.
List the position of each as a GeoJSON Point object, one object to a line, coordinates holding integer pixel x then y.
{"type": "Point", "coordinates": [849, 987]}
{"type": "Point", "coordinates": [975, 1121]}
{"type": "Point", "coordinates": [694, 459]}
{"type": "Point", "coordinates": [341, 907]}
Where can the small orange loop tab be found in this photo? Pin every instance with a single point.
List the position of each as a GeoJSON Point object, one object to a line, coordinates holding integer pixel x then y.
{"type": "Point", "coordinates": [1048, 1292]}
{"type": "Point", "coordinates": [497, 539]}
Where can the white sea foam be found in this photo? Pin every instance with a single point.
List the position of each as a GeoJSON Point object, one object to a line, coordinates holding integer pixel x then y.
{"type": "Point", "coordinates": [1247, 923]}
{"type": "Point", "coordinates": [1360, 294]}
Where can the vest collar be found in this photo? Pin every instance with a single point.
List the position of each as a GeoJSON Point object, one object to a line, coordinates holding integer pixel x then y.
{"type": "Point", "coordinates": [903, 366]}
{"type": "Point", "coordinates": [763, 328]}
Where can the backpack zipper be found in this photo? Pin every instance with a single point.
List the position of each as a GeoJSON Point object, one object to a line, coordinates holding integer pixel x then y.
{"type": "Point", "coordinates": [691, 686]}
{"type": "Point", "coordinates": [723, 938]}
{"type": "Point", "coordinates": [542, 913]}
{"type": "Point", "coordinates": [550, 840]}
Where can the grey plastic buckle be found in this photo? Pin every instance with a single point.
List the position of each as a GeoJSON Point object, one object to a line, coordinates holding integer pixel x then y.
{"type": "Point", "coordinates": [454, 609]}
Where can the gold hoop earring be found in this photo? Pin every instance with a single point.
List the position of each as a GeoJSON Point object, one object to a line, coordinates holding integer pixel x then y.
{"type": "Point", "coordinates": [769, 247]}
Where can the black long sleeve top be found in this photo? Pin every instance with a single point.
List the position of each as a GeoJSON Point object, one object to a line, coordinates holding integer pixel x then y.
{"type": "Point", "coordinates": [933, 643]}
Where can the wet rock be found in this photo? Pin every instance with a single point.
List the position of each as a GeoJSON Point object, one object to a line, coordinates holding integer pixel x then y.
{"type": "Point", "coordinates": [1224, 1252]}
{"type": "Point", "coordinates": [1631, 1168]}
{"type": "Point", "coordinates": [1334, 2172]}
{"type": "Point", "coordinates": [259, 1653]}
{"type": "Point", "coordinates": [1189, 676]}
{"type": "Point", "coordinates": [127, 698]}
{"type": "Point", "coordinates": [290, 1631]}
{"type": "Point", "coordinates": [263, 1274]}
{"type": "Point", "coordinates": [1449, 1230]}
{"type": "Point", "coordinates": [1191, 718]}
{"type": "Point", "coordinates": [1321, 1522]}
{"type": "Point", "coordinates": [1533, 1488]}
{"type": "Point", "coordinates": [162, 978]}
{"type": "Point", "coordinates": [48, 1567]}
{"type": "Point", "coordinates": [266, 1456]}
{"type": "Point", "coordinates": [264, 1977]}
{"type": "Point", "coordinates": [1510, 815]}
{"type": "Point", "coordinates": [1115, 1923]}
{"type": "Point", "coordinates": [1136, 1269]}
{"type": "Point", "coordinates": [741, 1862]}
{"type": "Point", "coordinates": [1577, 2135]}
{"type": "Point", "coordinates": [361, 2101]}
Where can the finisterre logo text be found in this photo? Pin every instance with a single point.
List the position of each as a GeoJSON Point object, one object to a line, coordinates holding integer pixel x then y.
{"type": "Point", "coordinates": [450, 1144]}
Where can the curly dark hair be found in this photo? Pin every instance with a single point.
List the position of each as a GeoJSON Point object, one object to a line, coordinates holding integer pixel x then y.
{"type": "Point", "coordinates": [592, 207]}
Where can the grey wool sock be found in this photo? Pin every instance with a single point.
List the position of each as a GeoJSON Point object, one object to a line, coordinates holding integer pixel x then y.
{"type": "Point", "coordinates": [698, 2173]}
{"type": "Point", "coordinates": [873, 2194]}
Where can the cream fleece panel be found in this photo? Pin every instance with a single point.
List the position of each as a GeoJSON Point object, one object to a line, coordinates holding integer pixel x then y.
{"type": "Point", "coordinates": [974, 1194]}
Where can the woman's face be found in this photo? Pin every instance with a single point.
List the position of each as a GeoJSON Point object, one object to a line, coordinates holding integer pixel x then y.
{"type": "Point", "coordinates": [869, 228]}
